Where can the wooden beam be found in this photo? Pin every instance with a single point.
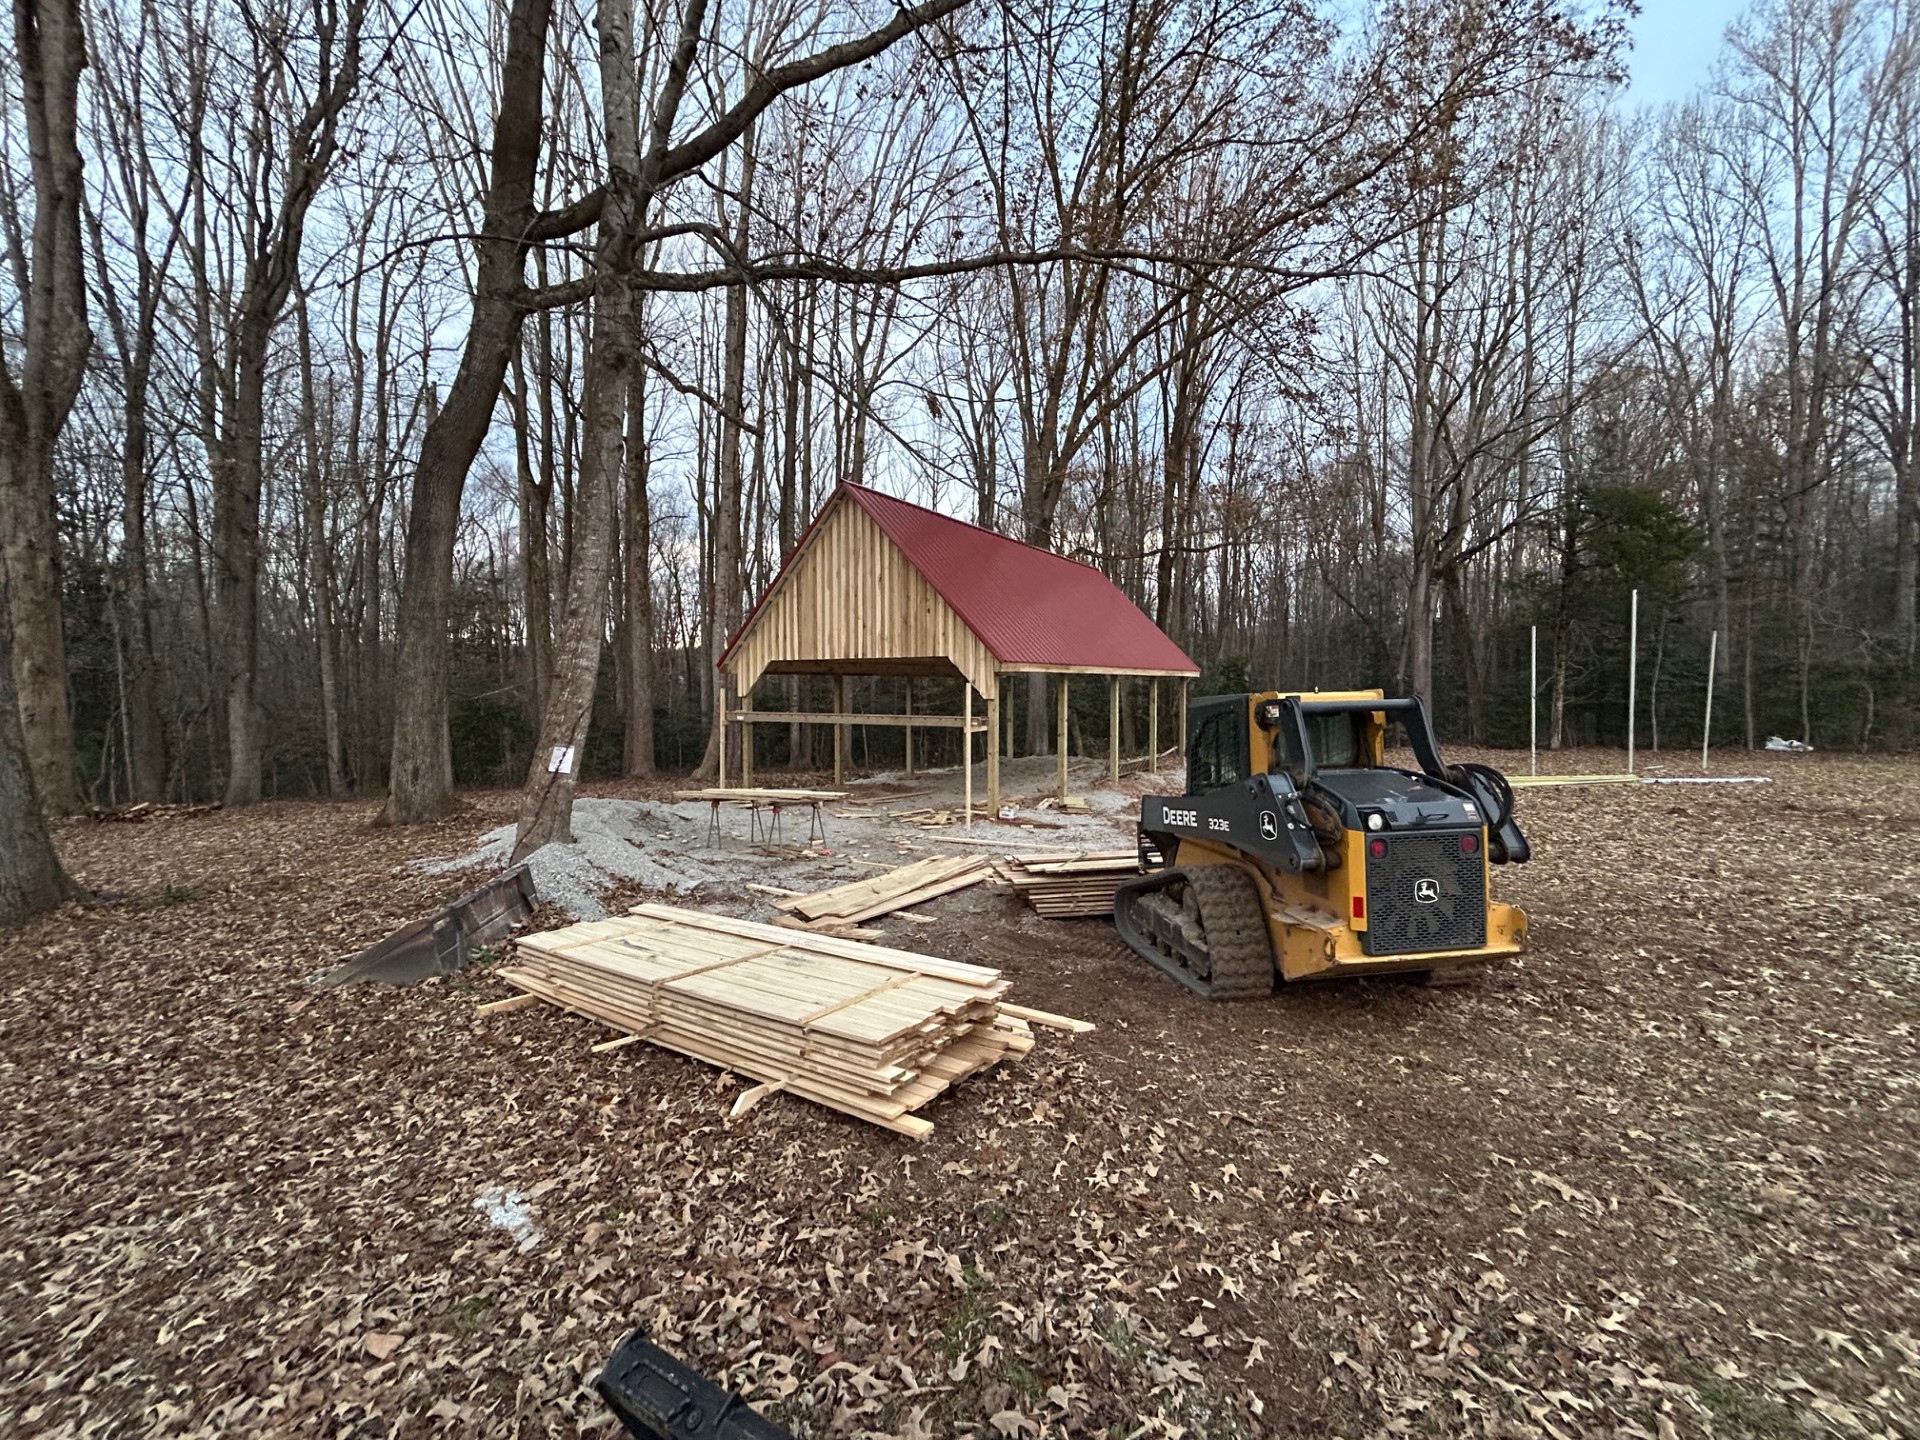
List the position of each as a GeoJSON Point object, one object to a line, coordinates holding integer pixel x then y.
{"type": "Point", "coordinates": [993, 753]}
{"type": "Point", "coordinates": [1113, 730]}
{"type": "Point", "coordinates": [1183, 726]}
{"type": "Point", "coordinates": [500, 1007]}
{"type": "Point", "coordinates": [1060, 744]}
{"type": "Point", "coordinates": [909, 727]}
{"type": "Point", "coordinates": [966, 749]}
{"type": "Point", "coordinates": [849, 717]}
{"type": "Point", "coordinates": [746, 745]}
{"type": "Point", "coordinates": [720, 719]}
{"type": "Point", "coordinates": [1153, 726]}
{"type": "Point", "coordinates": [1087, 670]}
{"type": "Point", "coordinates": [839, 730]}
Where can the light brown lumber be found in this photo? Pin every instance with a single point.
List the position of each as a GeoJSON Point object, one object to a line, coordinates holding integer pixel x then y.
{"type": "Point", "coordinates": [619, 1043]}
{"type": "Point", "coordinates": [1049, 1019]}
{"type": "Point", "coordinates": [501, 1007]}
{"type": "Point", "coordinates": [840, 929]}
{"type": "Point", "coordinates": [825, 945]}
{"type": "Point", "coordinates": [750, 1098]}
{"type": "Point", "coordinates": [844, 901]}
{"type": "Point", "coordinates": [772, 890]}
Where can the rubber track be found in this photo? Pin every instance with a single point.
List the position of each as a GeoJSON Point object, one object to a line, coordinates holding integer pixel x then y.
{"type": "Point", "coordinates": [1238, 942]}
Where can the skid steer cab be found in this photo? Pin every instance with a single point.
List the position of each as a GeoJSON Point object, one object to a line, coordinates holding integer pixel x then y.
{"type": "Point", "coordinates": [1298, 852]}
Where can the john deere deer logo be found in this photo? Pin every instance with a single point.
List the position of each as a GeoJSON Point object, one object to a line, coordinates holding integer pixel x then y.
{"type": "Point", "coordinates": [1426, 891]}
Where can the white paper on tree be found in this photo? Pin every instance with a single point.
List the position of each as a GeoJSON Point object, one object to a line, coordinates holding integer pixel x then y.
{"type": "Point", "coordinates": [561, 762]}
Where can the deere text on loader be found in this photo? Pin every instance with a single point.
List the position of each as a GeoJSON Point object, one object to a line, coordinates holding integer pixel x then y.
{"type": "Point", "coordinates": [1299, 852]}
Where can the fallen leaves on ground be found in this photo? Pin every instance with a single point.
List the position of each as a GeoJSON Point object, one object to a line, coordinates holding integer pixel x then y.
{"type": "Point", "coordinates": [1654, 1179]}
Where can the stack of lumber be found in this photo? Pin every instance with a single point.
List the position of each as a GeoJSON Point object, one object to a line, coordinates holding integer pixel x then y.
{"type": "Point", "coordinates": [1067, 884]}
{"type": "Point", "coordinates": [868, 1031]}
{"type": "Point", "coordinates": [847, 905]}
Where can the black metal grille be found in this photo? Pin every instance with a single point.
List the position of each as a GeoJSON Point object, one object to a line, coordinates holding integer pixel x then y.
{"type": "Point", "coordinates": [1425, 893]}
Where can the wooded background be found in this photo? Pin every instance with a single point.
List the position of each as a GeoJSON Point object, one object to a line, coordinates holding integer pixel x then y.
{"type": "Point", "coordinates": [1351, 342]}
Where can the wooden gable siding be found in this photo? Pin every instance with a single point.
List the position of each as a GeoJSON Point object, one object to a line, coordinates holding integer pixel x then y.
{"type": "Point", "coordinates": [849, 596]}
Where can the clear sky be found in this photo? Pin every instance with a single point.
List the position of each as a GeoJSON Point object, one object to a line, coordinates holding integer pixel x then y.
{"type": "Point", "coordinates": [1674, 44]}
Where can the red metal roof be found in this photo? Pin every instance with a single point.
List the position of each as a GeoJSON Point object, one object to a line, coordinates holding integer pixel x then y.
{"type": "Point", "coordinates": [1027, 605]}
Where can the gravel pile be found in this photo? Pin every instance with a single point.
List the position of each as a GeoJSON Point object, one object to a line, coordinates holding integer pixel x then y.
{"type": "Point", "coordinates": [607, 835]}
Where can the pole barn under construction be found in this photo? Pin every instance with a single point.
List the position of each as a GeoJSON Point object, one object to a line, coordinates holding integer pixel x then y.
{"type": "Point", "coordinates": [877, 586]}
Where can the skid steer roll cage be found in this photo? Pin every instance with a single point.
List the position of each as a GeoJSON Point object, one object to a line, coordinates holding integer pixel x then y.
{"type": "Point", "coordinates": [1291, 713]}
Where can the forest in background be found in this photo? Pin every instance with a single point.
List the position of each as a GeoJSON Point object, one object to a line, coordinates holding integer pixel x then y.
{"type": "Point", "coordinates": [1355, 345]}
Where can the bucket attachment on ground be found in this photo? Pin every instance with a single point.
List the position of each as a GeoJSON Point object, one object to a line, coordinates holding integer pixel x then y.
{"type": "Point", "coordinates": [443, 941]}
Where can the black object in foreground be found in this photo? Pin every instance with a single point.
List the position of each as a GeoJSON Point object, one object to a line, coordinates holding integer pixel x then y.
{"type": "Point", "coordinates": [658, 1398]}
{"type": "Point", "coordinates": [440, 943]}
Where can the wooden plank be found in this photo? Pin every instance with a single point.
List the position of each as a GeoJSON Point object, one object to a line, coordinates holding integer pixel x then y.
{"type": "Point", "coordinates": [873, 955]}
{"type": "Point", "coordinates": [927, 720]}
{"type": "Point", "coordinates": [1049, 1019]}
{"type": "Point", "coordinates": [501, 1007]}
{"type": "Point", "coordinates": [872, 1032]}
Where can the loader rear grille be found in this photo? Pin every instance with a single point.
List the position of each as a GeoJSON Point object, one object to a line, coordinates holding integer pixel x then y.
{"type": "Point", "coordinates": [1426, 894]}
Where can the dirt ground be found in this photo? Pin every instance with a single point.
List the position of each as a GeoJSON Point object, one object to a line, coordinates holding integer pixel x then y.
{"type": "Point", "coordinates": [1659, 1177]}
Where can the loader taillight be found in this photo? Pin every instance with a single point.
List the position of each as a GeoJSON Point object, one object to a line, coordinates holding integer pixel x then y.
{"type": "Point", "coordinates": [1377, 849]}
{"type": "Point", "coordinates": [1469, 844]}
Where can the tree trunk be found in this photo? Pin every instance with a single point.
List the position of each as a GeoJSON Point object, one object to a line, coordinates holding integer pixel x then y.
{"type": "Point", "coordinates": [50, 50]}
{"type": "Point", "coordinates": [31, 879]}
{"type": "Point", "coordinates": [639, 578]}
{"type": "Point", "coordinates": [319, 564]}
{"type": "Point", "coordinates": [31, 554]}
{"type": "Point", "coordinates": [728, 605]}
{"type": "Point", "coordinates": [419, 786]}
{"type": "Point", "coordinates": [236, 548]}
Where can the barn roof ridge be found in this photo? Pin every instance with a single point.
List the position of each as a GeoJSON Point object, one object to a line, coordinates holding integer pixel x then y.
{"type": "Point", "coordinates": [1030, 607]}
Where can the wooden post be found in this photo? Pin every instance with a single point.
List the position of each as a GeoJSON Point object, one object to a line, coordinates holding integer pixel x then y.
{"type": "Point", "coordinates": [1060, 745]}
{"type": "Point", "coordinates": [993, 750]}
{"type": "Point", "coordinates": [909, 727]}
{"type": "Point", "coordinates": [1184, 682]}
{"type": "Point", "coordinates": [839, 732]}
{"type": "Point", "coordinates": [720, 719]}
{"type": "Point", "coordinates": [1153, 726]}
{"type": "Point", "coordinates": [966, 749]}
{"type": "Point", "coordinates": [746, 744]}
{"type": "Point", "coordinates": [1113, 729]}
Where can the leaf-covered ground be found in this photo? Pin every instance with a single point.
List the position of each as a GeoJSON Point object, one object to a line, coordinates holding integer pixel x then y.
{"type": "Point", "coordinates": [1660, 1177]}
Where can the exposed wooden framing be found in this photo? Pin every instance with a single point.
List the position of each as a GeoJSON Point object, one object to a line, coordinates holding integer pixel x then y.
{"type": "Point", "coordinates": [966, 752]}
{"type": "Point", "coordinates": [849, 595]}
{"type": "Point", "coordinates": [720, 719]}
{"type": "Point", "coordinates": [1183, 719]}
{"type": "Point", "coordinates": [840, 731]}
{"type": "Point", "coordinates": [746, 744]}
{"type": "Point", "coordinates": [1020, 669]}
{"type": "Point", "coordinates": [851, 717]}
{"type": "Point", "coordinates": [1153, 727]}
{"type": "Point", "coordinates": [1113, 730]}
{"type": "Point", "coordinates": [909, 742]}
{"type": "Point", "coordinates": [993, 755]}
{"type": "Point", "coordinates": [1060, 744]}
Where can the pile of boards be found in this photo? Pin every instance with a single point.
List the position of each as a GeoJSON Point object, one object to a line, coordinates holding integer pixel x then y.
{"type": "Point", "coordinates": [872, 1032]}
{"type": "Point", "coordinates": [848, 905]}
{"type": "Point", "coordinates": [1071, 884]}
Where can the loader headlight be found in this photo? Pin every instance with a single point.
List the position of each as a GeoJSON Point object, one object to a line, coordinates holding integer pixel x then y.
{"type": "Point", "coordinates": [1376, 821]}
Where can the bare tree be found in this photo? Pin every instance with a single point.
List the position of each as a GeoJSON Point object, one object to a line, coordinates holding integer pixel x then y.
{"type": "Point", "coordinates": [49, 275]}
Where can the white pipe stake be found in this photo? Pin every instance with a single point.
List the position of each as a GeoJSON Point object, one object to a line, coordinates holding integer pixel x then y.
{"type": "Point", "coordinates": [1706, 725]}
{"type": "Point", "coordinates": [1633, 672]}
